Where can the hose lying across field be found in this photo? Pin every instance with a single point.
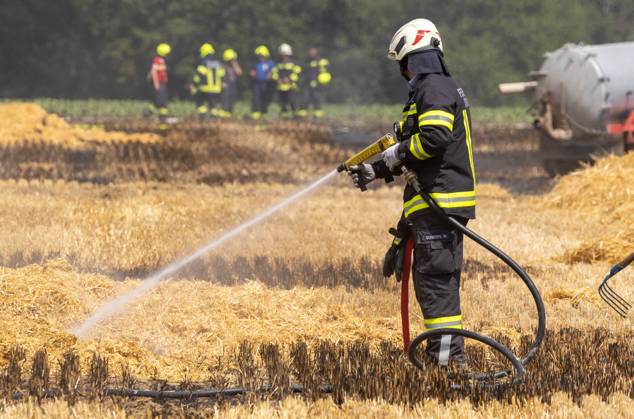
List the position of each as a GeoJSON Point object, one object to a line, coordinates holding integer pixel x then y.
{"type": "Point", "coordinates": [518, 364]}
{"type": "Point", "coordinates": [181, 394]}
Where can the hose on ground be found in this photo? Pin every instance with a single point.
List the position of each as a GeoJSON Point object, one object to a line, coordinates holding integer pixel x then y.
{"type": "Point", "coordinates": [518, 365]}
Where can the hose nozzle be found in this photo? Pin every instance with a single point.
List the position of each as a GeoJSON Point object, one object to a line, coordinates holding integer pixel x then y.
{"type": "Point", "coordinates": [412, 179]}
{"type": "Point", "coordinates": [367, 153]}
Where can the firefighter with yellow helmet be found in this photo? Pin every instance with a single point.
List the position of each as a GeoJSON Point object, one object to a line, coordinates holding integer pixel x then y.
{"type": "Point", "coordinates": [318, 76]}
{"type": "Point", "coordinates": [261, 82]}
{"type": "Point", "coordinates": [207, 83]}
{"type": "Point", "coordinates": [159, 78]}
{"type": "Point", "coordinates": [435, 142]}
{"type": "Point", "coordinates": [230, 81]}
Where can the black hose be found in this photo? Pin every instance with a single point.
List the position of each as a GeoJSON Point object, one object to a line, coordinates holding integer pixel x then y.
{"type": "Point", "coordinates": [180, 394]}
{"type": "Point", "coordinates": [517, 364]}
{"type": "Point", "coordinates": [539, 303]}
{"type": "Point", "coordinates": [204, 393]}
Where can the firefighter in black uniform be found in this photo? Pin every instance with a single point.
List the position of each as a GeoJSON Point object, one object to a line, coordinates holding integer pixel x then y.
{"type": "Point", "coordinates": [435, 142]}
{"type": "Point", "coordinates": [207, 83]}
{"type": "Point", "coordinates": [286, 75]}
{"type": "Point", "coordinates": [317, 78]}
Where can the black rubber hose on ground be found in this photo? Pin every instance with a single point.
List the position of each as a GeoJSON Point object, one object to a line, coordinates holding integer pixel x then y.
{"type": "Point", "coordinates": [193, 394]}
{"type": "Point", "coordinates": [517, 364]}
{"type": "Point", "coordinates": [539, 303]}
{"type": "Point", "coordinates": [180, 394]}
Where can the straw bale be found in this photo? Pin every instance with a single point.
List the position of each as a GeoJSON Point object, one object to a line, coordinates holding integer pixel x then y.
{"type": "Point", "coordinates": [602, 198]}
{"type": "Point", "coordinates": [610, 249]}
{"type": "Point", "coordinates": [22, 123]}
{"type": "Point", "coordinates": [574, 295]}
{"type": "Point", "coordinates": [600, 188]}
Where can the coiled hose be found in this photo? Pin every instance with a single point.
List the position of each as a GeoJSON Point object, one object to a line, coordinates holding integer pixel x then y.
{"type": "Point", "coordinates": [518, 364]}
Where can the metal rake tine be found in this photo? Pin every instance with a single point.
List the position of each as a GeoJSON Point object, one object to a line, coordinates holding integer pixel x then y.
{"type": "Point", "coordinates": [622, 300]}
{"type": "Point", "coordinates": [613, 305]}
{"type": "Point", "coordinates": [615, 301]}
{"type": "Point", "coordinates": [608, 290]}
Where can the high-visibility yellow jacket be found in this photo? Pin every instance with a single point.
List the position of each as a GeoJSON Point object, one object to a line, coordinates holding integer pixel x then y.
{"type": "Point", "coordinates": [436, 142]}
{"type": "Point", "coordinates": [286, 75]}
{"type": "Point", "coordinates": [208, 75]}
{"type": "Point", "coordinates": [318, 72]}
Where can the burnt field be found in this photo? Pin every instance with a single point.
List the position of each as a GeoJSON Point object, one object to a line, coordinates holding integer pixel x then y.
{"type": "Point", "coordinates": [298, 302]}
{"type": "Point", "coordinates": [338, 371]}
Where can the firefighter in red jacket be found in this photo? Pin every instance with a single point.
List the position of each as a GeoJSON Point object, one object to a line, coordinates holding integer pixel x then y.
{"type": "Point", "coordinates": [159, 78]}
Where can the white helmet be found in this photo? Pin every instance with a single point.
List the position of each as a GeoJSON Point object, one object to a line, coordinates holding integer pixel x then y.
{"type": "Point", "coordinates": [285, 49]}
{"type": "Point", "coordinates": [416, 35]}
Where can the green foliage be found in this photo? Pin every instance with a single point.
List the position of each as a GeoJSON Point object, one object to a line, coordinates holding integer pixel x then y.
{"type": "Point", "coordinates": [102, 48]}
{"type": "Point", "coordinates": [372, 114]}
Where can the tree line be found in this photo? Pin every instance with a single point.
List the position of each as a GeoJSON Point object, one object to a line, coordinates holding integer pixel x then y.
{"type": "Point", "coordinates": [103, 48]}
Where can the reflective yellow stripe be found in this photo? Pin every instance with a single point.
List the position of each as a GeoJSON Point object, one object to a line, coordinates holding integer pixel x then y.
{"type": "Point", "coordinates": [213, 79]}
{"type": "Point", "coordinates": [436, 118]}
{"type": "Point", "coordinates": [416, 148]}
{"type": "Point", "coordinates": [437, 113]}
{"type": "Point", "coordinates": [450, 322]}
{"type": "Point", "coordinates": [467, 129]}
{"type": "Point", "coordinates": [452, 195]}
{"type": "Point", "coordinates": [411, 111]}
{"type": "Point", "coordinates": [444, 200]}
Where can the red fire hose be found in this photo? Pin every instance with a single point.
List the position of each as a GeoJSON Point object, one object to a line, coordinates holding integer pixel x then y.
{"type": "Point", "coordinates": [407, 267]}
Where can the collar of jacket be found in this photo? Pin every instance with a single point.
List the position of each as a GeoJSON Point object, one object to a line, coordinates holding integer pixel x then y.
{"type": "Point", "coordinates": [412, 83]}
{"type": "Point", "coordinates": [427, 62]}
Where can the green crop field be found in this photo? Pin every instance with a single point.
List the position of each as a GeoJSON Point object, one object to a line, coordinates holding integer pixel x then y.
{"type": "Point", "coordinates": [338, 113]}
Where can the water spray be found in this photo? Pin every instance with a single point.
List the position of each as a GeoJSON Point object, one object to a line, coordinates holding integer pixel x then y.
{"type": "Point", "coordinates": [119, 304]}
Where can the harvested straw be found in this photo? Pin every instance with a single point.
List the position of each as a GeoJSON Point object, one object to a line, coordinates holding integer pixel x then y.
{"type": "Point", "coordinates": [22, 123]}
{"type": "Point", "coordinates": [602, 197]}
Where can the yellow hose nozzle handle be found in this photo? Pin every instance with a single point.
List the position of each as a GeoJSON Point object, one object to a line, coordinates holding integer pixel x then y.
{"type": "Point", "coordinates": [367, 153]}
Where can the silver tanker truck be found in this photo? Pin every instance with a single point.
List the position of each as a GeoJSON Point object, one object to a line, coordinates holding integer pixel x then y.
{"type": "Point", "coordinates": [584, 103]}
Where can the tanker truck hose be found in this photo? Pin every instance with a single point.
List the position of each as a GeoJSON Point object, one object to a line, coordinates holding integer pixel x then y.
{"type": "Point", "coordinates": [411, 178]}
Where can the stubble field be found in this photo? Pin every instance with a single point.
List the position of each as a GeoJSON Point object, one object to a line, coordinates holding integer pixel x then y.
{"type": "Point", "coordinates": [298, 299]}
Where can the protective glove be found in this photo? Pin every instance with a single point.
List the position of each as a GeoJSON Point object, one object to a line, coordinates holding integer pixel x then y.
{"type": "Point", "coordinates": [391, 157]}
{"type": "Point", "coordinates": [394, 257]}
{"type": "Point", "coordinates": [361, 175]}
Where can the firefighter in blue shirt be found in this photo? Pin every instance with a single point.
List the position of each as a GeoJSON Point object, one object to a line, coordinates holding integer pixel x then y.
{"type": "Point", "coordinates": [261, 75]}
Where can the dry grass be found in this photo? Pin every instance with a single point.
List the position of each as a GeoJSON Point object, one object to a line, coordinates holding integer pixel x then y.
{"type": "Point", "coordinates": [29, 123]}
{"type": "Point", "coordinates": [562, 407]}
{"type": "Point", "coordinates": [124, 231]}
{"type": "Point", "coordinates": [136, 228]}
{"type": "Point", "coordinates": [590, 407]}
{"type": "Point", "coordinates": [602, 195]}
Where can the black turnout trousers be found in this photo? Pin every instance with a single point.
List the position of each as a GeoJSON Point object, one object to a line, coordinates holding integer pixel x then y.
{"type": "Point", "coordinates": [438, 257]}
